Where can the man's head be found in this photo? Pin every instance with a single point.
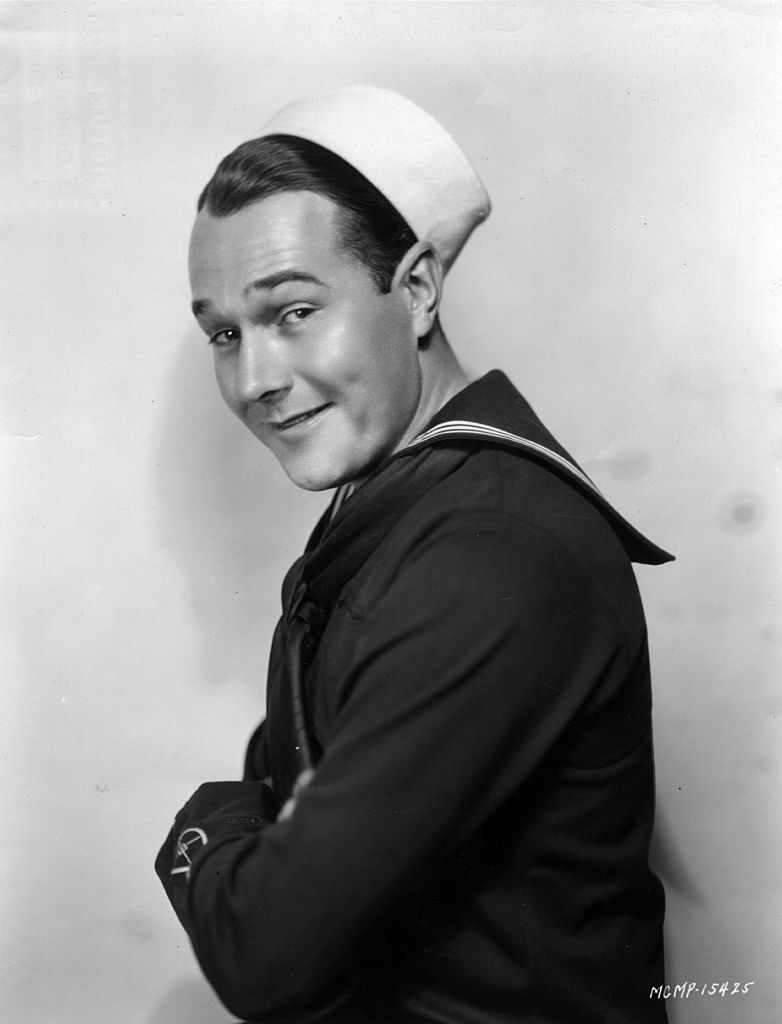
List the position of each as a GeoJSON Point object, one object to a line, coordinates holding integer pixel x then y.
{"type": "Point", "coordinates": [323, 367]}
{"type": "Point", "coordinates": [319, 300]}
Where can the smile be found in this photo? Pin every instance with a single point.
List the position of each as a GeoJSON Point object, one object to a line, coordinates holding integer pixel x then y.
{"type": "Point", "coordinates": [304, 417]}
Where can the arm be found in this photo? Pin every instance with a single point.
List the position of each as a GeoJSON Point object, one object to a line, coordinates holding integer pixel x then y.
{"type": "Point", "coordinates": [468, 670]}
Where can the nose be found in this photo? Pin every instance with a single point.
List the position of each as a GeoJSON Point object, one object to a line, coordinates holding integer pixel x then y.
{"type": "Point", "coordinates": [262, 369]}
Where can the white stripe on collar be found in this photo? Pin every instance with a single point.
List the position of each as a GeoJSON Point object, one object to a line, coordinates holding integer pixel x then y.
{"type": "Point", "coordinates": [466, 428]}
{"type": "Point", "coordinates": [343, 492]}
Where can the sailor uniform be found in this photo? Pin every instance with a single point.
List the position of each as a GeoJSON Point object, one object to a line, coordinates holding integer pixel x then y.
{"type": "Point", "coordinates": [463, 655]}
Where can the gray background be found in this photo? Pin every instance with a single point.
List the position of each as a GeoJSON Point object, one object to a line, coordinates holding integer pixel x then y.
{"type": "Point", "coordinates": [630, 282]}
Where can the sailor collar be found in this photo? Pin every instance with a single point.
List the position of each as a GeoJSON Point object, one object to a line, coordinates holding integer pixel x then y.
{"type": "Point", "coordinates": [491, 411]}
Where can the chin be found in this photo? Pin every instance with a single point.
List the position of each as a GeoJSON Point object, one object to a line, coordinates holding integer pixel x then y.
{"type": "Point", "coordinates": [311, 471]}
{"type": "Point", "coordinates": [311, 478]}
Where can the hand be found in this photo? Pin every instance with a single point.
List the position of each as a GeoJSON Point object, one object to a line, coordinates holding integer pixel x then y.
{"type": "Point", "coordinates": [289, 806]}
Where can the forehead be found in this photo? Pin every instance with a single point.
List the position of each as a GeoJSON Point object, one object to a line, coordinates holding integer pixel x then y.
{"type": "Point", "coordinates": [286, 228]}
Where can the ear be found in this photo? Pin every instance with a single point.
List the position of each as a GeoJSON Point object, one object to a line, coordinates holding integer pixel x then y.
{"type": "Point", "coordinates": [420, 278]}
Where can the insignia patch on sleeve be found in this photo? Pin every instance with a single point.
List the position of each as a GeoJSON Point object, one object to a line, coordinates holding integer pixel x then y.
{"type": "Point", "coordinates": [190, 840]}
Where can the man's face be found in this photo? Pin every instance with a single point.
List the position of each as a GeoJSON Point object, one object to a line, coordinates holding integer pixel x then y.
{"type": "Point", "coordinates": [322, 368]}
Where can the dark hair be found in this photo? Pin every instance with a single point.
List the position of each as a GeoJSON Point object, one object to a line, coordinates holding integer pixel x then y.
{"type": "Point", "coordinates": [372, 230]}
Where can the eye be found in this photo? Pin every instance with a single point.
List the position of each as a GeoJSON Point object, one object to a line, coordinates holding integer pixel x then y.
{"type": "Point", "coordinates": [296, 315]}
{"type": "Point", "coordinates": [224, 338]}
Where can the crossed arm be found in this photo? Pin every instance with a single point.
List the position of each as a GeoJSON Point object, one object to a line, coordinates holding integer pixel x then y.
{"type": "Point", "coordinates": [476, 659]}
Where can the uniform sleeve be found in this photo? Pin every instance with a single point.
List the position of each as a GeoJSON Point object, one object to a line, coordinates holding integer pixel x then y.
{"type": "Point", "coordinates": [478, 655]}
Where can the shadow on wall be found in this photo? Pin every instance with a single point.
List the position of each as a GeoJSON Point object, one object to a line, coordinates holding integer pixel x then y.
{"type": "Point", "coordinates": [705, 947]}
{"type": "Point", "coordinates": [669, 862]}
{"type": "Point", "coordinates": [227, 517]}
{"type": "Point", "coordinates": [672, 866]}
{"type": "Point", "coordinates": [189, 1001]}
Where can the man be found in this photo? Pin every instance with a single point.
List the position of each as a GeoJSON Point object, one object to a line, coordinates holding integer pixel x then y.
{"type": "Point", "coordinates": [446, 814]}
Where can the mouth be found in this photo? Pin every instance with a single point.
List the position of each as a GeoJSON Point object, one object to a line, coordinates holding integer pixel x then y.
{"type": "Point", "coordinates": [299, 418]}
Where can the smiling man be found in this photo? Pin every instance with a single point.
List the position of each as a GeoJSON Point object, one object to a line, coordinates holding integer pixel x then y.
{"type": "Point", "coordinates": [324, 368]}
{"type": "Point", "coordinates": [445, 816]}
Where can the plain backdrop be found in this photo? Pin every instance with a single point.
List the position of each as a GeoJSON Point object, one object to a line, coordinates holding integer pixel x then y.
{"type": "Point", "coordinates": [629, 281]}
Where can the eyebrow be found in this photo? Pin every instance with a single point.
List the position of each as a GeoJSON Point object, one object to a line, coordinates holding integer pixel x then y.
{"type": "Point", "coordinates": [267, 283]}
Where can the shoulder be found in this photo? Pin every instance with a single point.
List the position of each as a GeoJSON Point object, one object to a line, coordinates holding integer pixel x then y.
{"type": "Point", "coordinates": [501, 524]}
{"type": "Point", "coordinates": [517, 499]}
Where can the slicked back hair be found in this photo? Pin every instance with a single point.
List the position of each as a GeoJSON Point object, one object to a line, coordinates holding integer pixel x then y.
{"type": "Point", "coordinates": [372, 230]}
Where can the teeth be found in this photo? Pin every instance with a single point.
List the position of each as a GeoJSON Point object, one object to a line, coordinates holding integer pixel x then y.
{"type": "Point", "coordinates": [300, 419]}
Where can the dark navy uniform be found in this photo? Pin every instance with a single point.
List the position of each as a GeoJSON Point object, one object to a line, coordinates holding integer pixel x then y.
{"type": "Point", "coordinates": [473, 848]}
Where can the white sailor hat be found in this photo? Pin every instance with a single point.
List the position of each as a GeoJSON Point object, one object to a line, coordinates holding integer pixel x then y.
{"type": "Point", "coordinates": [403, 152]}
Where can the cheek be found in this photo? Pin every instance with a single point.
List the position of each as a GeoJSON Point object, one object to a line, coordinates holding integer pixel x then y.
{"type": "Point", "coordinates": [225, 382]}
{"type": "Point", "coordinates": [388, 362]}
{"type": "Point", "coordinates": [353, 375]}
{"type": "Point", "coordinates": [343, 364]}
{"type": "Point", "coordinates": [369, 359]}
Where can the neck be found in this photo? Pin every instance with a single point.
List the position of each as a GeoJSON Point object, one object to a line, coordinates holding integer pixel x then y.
{"type": "Point", "coordinates": [442, 377]}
